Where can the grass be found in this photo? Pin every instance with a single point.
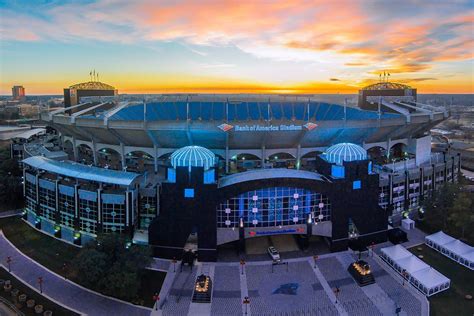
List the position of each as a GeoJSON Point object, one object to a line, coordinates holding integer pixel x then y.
{"type": "Point", "coordinates": [451, 301]}
{"type": "Point", "coordinates": [31, 294]}
{"type": "Point", "coordinates": [151, 283]}
{"type": "Point", "coordinates": [40, 247]}
{"type": "Point", "coordinates": [53, 254]}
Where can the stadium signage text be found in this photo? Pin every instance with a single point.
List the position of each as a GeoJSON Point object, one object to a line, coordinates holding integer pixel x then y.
{"type": "Point", "coordinates": [267, 128]}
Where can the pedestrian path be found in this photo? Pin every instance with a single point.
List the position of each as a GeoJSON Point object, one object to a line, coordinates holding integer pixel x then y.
{"type": "Point", "coordinates": [64, 292]}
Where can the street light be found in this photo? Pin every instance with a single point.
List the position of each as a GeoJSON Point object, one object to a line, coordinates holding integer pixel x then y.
{"type": "Point", "coordinates": [242, 264]}
{"type": "Point", "coordinates": [246, 303]}
{"type": "Point", "coordinates": [174, 264]}
{"type": "Point", "coordinates": [336, 292]}
{"type": "Point", "coordinates": [315, 257]}
{"type": "Point", "coordinates": [9, 260]}
{"type": "Point", "coordinates": [156, 298]}
{"type": "Point", "coordinates": [40, 282]}
{"type": "Point", "coordinates": [404, 275]}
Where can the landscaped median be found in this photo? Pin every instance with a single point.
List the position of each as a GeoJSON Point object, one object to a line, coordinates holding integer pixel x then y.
{"type": "Point", "coordinates": [452, 301]}
{"type": "Point", "coordinates": [25, 299]}
{"type": "Point", "coordinates": [61, 257]}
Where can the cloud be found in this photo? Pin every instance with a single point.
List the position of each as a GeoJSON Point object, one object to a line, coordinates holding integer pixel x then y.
{"type": "Point", "coordinates": [334, 79]}
{"type": "Point", "coordinates": [402, 37]}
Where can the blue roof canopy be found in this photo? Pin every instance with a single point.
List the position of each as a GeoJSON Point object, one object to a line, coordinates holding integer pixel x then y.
{"type": "Point", "coordinates": [79, 171]}
{"type": "Point", "coordinates": [193, 156]}
{"type": "Point", "coordinates": [345, 152]}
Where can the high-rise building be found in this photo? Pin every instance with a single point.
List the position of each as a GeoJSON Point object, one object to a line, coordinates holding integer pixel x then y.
{"type": "Point", "coordinates": [18, 93]}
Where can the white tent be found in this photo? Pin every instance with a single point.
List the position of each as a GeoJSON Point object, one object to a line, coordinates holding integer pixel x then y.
{"type": "Point", "coordinates": [412, 264]}
{"type": "Point", "coordinates": [457, 248]}
{"type": "Point", "coordinates": [467, 260]}
{"type": "Point", "coordinates": [420, 275]}
{"type": "Point", "coordinates": [437, 240]}
{"type": "Point", "coordinates": [452, 248]}
{"type": "Point", "coordinates": [429, 281]}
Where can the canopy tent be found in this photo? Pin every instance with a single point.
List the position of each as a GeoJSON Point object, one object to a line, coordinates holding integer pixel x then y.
{"type": "Point", "coordinates": [437, 240]}
{"type": "Point", "coordinates": [429, 281]}
{"type": "Point", "coordinates": [418, 273]}
{"type": "Point", "coordinates": [452, 248]}
{"type": "Point", "coordinates": [467, 260]}
{"type": "Point", "coordinates": [412, 264]}
{"type": "Point", "coordinates": [396, 252]}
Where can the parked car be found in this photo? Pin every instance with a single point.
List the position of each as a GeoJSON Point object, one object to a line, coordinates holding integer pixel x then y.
{"type": "Point", "coordinates": [274, 254]}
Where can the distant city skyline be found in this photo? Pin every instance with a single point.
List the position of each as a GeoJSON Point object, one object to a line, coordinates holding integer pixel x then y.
{"type": "Point", "coordinates": [236, 46]}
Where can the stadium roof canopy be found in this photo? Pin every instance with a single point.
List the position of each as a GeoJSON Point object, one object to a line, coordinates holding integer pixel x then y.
{"type": "Point", "coordinates": [345, 152]}
{"type": "Point", "coordinates": [176, 109]}
{"type": "Point", "coordinates": [30, 133]}
{"type": "Point", "coordinates": [193, 156]}
{"type": "Point", "coordinates": [92, 85]}
{"type": "Point", "coordinates": [387, 86]}
{"type": "Point", "coordinates": [79, 171]}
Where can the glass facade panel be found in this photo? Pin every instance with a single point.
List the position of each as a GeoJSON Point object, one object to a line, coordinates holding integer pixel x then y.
{"type": "Point", "coordinates": [276, 206]}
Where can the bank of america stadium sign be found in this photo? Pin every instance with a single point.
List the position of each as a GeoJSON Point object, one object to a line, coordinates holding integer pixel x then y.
{"type": "Point", "coordinates": [267, 128]}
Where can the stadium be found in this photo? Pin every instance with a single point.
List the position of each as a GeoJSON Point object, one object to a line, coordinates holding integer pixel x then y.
{"type": "Point", "coordinates": [211, 170]}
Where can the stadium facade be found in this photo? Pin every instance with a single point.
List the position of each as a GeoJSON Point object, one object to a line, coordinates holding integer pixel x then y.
{"type": "Point", "coordinates": [231, 167]}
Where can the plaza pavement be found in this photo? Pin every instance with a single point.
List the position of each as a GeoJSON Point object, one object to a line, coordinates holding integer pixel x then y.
{"type": "Point", "coordinates": [310, 289]}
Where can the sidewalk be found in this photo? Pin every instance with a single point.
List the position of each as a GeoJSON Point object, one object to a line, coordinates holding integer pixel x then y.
{"type": "Point", "coordinates": [11, 213]}
{"type": "Point", "coordinates": [61, 291]}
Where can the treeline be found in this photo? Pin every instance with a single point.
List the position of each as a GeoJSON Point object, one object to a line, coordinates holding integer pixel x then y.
{"type": "Point", "coordinates": [11, 189]}
{"type": "Point", "coordinates": [450, 209]}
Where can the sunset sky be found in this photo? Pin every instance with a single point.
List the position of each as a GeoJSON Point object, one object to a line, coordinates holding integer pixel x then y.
{"type": "Point", "coordinates": [237, 46]}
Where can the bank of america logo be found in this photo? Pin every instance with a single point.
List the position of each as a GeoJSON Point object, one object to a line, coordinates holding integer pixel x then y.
{"type": "Point", "coordinates": [225, 127]}
{"type": "Point", "coordinates": [310, 126]}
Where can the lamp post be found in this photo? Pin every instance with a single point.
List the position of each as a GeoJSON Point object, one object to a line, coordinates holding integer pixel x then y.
{"type": "Point", "coordinates": [156, 298]}
{"type": "Point", "coordinates": [246, 303]}
{"type": "Point", "coordinates": [174, 264]}
{"type": "Point", "coordinates": [404, 275]}
{"type": "Point", "coordinates": [242, 264]}
{"type": "Point", "coordinates": [315, 258]}
{"type": "Point", "coordinates": [336, 292]}
{"type": "Point", "coordinates": [9, 260]}
{"type": "Point", "coordinates": [40, 282]}
{"type": "Point", "coordinates": [64, 268]}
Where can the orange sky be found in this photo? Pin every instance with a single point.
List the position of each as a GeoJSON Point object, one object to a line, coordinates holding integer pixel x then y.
{"type": "Point", "coordinates": [237, 46]}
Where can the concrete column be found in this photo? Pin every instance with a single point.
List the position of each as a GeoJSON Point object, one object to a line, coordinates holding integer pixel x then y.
{"type": "Point", "coordinates": [226, 159]}
{"type": "Point", "coordinates": [155, 159]}
{"type": "Point", "coordinates": [298, 156]}
{"type": "Point", "coordinates": [94, 153]}
{"type": "Point", "coordinates": [263, 157]}
{"type": "Point", "coordinates": [122, 155]}
{"type": "Point", "coordinates": [74, 149]}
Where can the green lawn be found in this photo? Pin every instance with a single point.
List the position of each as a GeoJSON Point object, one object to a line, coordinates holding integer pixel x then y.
{"type": "Point", "coordinates": [39, 299]}
{"type": "Point", "coordinates": [53, 253]}
{"type": "Point", "coordinates": [151, 284]}
{"type": "Point", "coordinates": [47, 250]}
{"type": "Point", "coordinates": [451, 301]}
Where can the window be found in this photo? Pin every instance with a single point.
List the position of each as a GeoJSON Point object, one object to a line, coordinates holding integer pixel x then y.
{"type": "Point", "coordinates": [271, 207]}
{"type": "Point", "coordinates": [189, 193]}
{"type": "Point", "coordinates": [356, 185]}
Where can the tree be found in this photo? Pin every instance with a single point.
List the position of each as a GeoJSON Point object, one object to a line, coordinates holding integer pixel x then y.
{"type": "Point", "coordinates": [437, 206]}
{"type": "Point", "coordinates": [112, 266]}
{"type": "Point", "coordinates": [11, 191]}
{"type": "Point", "coordinates": [462, 212]}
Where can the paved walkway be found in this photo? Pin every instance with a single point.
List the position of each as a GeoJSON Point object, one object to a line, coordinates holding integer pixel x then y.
{"type": "Point", "coordinates": [64, 292]}
{"type": "Point", "coordinates": [11, 213]}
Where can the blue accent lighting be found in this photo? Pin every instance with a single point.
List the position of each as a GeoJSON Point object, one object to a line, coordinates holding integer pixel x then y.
{"type": "Point", "coordinates": [338, 171]}
{"type": "Point", "coordinates": [193, 156]}
{"type": "Point", "coordinates": [189, 193]}
{"type": "Point", "coordinates": [356, 185]}
{"type": "Point", "coordinates": [345, 152]}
